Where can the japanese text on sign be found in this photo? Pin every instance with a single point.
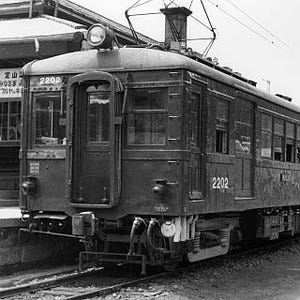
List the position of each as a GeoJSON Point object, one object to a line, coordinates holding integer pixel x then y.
{"type": "Point", "coordinates": [10, 83]}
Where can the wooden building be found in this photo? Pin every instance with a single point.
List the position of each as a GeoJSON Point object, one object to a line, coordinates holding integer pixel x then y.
{"type": "Point", "coordinates": [31, 30]}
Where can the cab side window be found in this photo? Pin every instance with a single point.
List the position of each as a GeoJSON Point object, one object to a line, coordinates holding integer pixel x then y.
{"type": "Point", "coordinates": [244, 127]}
{"type": "Point", "coordinates": [147, 117]}
{"type": "Point", "coordinates": [222, 127]}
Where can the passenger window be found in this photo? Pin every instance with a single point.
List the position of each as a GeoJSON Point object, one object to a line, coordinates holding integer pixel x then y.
{"type": "Point", "coordinates": [244, 127]}
{"type": "Point", "coordinates": [222, 108]}
{"type": "Point", "coordinates": [298, 145]}
{"type": "Point", "coordinates": [50, 119]}
{"type": "Point", "coordinates": [290, 142]}
{"type": "Point", "coordinates": [278, 139]}
{"type": "Point", "coordinates": [266, 136]}
{"type": "Point", "coordinates": [147, 117]}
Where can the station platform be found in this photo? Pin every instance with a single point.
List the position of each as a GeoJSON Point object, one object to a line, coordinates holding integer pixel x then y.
{"type": "Point", "coordinates": [16, 249]}
{"type": "Point", "coordinates": [10, 217]}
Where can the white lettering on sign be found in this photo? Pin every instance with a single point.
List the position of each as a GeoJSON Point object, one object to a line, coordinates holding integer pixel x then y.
{"type": "Point", "coordinates": [10, 83]}
{"type": "Point", "coordinates": [220, 183]}
{"type": "Point", "coordinates": [34, 168]}
{"type": "Point", "coordinates": [50, 80]}
{"type": "Point", "coordinates": [161, 208]}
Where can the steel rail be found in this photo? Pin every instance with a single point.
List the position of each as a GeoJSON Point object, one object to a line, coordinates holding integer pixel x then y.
{"type": "Point", "coordinates": [79, 295]}
{"type": "Point", "coordinates": [234, 255]}
{"type": "Point", "coordinates": [33, 287]}
{"type": "Point", "coordinates": [110, 289]}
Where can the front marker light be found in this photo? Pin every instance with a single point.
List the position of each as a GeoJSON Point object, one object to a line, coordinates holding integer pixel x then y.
{"type": "Point", "coordinates": [29, 186]}
{"type": "Point", "coordinates": [100, 37]}
{"type": "Point", "coordinates": [159, 188]}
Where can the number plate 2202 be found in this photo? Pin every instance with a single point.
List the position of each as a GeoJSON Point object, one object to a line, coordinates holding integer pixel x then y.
{"type": "Point", "coordinates": [219, 183]}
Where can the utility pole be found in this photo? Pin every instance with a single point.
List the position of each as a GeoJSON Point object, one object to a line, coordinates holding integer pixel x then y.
{"type": "Point", "coordinates": [268, 84]}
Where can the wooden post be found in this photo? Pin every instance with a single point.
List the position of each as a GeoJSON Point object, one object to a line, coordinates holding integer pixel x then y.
{"type": "Point", "coordinates": [31, 4]}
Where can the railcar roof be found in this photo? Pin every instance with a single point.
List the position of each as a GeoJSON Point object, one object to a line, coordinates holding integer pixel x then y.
{"type": "Point", "coordinates": [137, 59]}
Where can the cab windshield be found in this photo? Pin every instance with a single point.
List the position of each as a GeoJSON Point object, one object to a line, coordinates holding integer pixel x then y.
{"type": "Point", "coordinates": [50, 119]}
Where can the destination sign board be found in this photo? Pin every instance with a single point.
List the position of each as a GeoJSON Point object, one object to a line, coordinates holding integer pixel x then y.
{"type": "Point", "coordinates": [10, 83]}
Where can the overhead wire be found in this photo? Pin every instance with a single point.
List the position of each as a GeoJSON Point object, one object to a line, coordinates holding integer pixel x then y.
{"type": "Point", "coordinates": [175, 32]}
{"type": "Point", "coordinates": [212, 30]}
{"type": "Point", "coordinates": [141, 2]}
{"type": "Point", "coordinates": [196, 19]}
{"type": "Point", "coordinates": [244, 24]}
{"type": "Point", "coordinates": [191, 4]}
{"type": "Point", "coordinates": [137, 4]}
{"type": "Point", "coordinates": [256, 22]}
{"type": "Point", "coordinates": [134, 33]}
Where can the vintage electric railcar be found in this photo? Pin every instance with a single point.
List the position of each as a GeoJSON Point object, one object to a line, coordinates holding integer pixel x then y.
{"type": "Point", "coordinates": [151, 156]}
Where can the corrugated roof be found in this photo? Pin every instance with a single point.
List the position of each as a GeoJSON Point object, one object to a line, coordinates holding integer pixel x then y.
{"type": "Point", "coordinates": [16, 7]}
{"type": "Point", "coordinates": [68, 9]}
{"type": "Point", "coordinates": [37, 27]}
{"type": "Point", "coordinates": [14, 2]}
{"type": "Point", "coordinates": [82, 11]}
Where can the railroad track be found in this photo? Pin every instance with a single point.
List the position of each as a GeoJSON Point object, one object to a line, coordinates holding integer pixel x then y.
{"type": "Point", "coordinates": [73, 286]}
{"type": "Point", "coordinates": [80, 285]}
{"type": "Point", "coordinates": [44, 282]}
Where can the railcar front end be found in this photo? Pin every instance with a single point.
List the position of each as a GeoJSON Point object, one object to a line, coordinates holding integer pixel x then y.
{"type": "Point", "coordinates": [43, 152]}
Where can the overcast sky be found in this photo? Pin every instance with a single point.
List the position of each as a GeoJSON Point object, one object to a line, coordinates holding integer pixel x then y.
{"type": "Point", "coordinates": [268, 50]}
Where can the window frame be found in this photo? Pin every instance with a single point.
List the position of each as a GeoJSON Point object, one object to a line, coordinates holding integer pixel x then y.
{"type": "Point", "coordinates": [297, 154]}
{"type": "Point", "coordinates": [164, 90]}
{"type": "Point", "coordinates": [222, 126]}
{"type": "Point", "coordinates": [88, 133]}
{"type": "Point", "coordinates": [270, 134]}
{"type": "Point", "coordinates": [243, 123]}
{"type": "Point", "coordinates": [17, 114]}
{"type": "Point", "coordinates": [290, 140]}
{"type": "Point", "coordinates": [53, 94]}
{"type": "Point", "coordinates": [281, 137]}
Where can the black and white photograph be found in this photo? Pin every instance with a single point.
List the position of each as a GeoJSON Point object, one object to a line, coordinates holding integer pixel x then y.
{"type": "Point", "coordinates": [149, 149]}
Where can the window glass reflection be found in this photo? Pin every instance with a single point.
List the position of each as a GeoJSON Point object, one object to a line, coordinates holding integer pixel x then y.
{"type": "Point", "coordinates": [244, 127]}
{"type": "Point", "coordinates": [266, 136]}
{"type": "Point", "coordinates": [10, 118]}
{"type": "Point", "coordinates": [146, 128]}
{"type": "Point", "coordinates": [146, 121]}
{"type": "Point", "coordinates": [99, 117]}
{"type": "Point", "coordinates": [50, 119]}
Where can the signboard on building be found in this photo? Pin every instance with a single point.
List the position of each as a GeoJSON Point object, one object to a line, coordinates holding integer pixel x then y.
{"type": "Point", "coordinates": [10, 83]}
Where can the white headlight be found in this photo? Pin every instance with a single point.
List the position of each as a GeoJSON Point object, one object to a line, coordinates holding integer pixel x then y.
{"type": "Point", "coordinates": [100, 37]}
